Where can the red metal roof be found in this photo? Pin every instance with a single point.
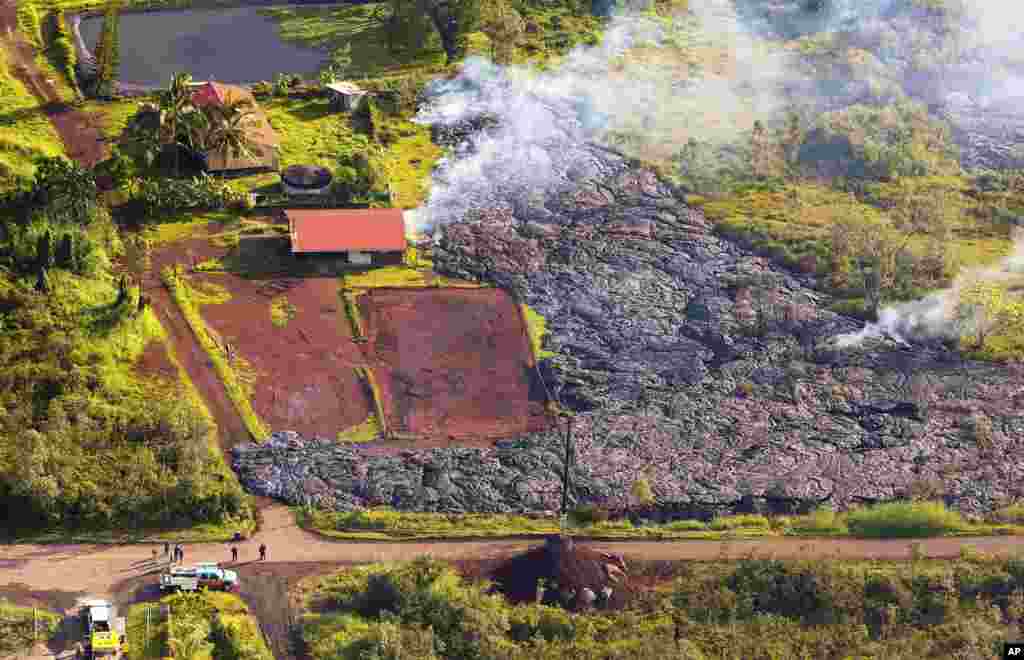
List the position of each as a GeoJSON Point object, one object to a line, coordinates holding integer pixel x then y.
{"type": "Point", "coordinates": [340, 230]}
{"type": "Point", "coordinates": [208, 93]}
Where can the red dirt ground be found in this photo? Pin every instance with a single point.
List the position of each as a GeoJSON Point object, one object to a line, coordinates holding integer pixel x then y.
{"type": "Point", "coordinates": [155, 361]}
{"type": "Point", "coordinates": [452, 364]}
{"type": "Point", "coordinates": [305, 379]}
{"type": "Point", "coordinates": [83, 140]}
{"type": "Point", "coordinates": [305, 370]}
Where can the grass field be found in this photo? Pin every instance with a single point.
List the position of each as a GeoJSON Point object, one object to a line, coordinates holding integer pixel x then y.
{"type": "Point", "coordinates": [25, 132]}
{"type": "Point", "coordinates": [897, 520]}
{"type": "Point", "coordinates": [233, 630]}
{"type": "Point", "coordinates": [19, 624]}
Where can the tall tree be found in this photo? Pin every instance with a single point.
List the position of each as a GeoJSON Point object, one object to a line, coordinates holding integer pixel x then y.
{"type": "Point", "coordinates": [67, 189]}
{"type": "Point", "coordinates": [453, 20]}
{"type": "Point", "coordinates": [503, 26]}
{"type": "Point", "coordinates": [229, 128]}
{"type": "Point", "coordinates": [108, 55]}
{"type": "Point", "coordinates": [175, 103]}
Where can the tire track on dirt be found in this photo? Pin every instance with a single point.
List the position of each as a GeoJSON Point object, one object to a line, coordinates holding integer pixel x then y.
{"type": "Point", "coordinates": [83, 140]}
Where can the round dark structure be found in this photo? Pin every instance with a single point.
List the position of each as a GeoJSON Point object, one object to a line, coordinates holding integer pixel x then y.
{"type": "Point", "coordinates": [307, 177]}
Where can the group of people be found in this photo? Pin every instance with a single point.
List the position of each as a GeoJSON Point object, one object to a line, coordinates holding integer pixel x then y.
{"type": "Point", "coordinates": [179, 553]}
{"type": "Point", "coordinates": [234, 552]}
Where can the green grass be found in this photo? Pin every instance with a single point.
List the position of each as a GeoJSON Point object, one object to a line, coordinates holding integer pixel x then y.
{"type": "Point", "coordinates": [905, 520]}
{"type": "Point", "coordinates": [897, 520]}
{"type": "Point", "coordinates": [409, 157]}
{"type": "Point", "coordinates": [189, 299]}
{"type": "Point", "coordinates": [369, 381]}
{"type": "Point", "coordinates": [120, 348]}
{"type": "Point", "coordinates": [536, 326]}
{"type": "Point", "coordinates": [16, 624]}
{"type": "Point", "coordinates": [367, 431]}
{"type": "Point", "coordinates": [386, 276]}
{"type": "Point", "coordinates": [282, 311]}
{"type": "Point", "coordinates": [113, 115]}
{"type": "Point", "coordinates": [352, 314]}
{"type": "Point", "coordinates": [149, 642]}
{"type": "Point", "coordinates": [25, 132]}
{"type": "Point", "coordinates": [331, 27]}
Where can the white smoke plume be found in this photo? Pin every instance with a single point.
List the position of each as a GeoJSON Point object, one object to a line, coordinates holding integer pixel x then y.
{"type": "Point", "coordinates": [936, 315]}
{"type": "Point", "coordinates": [546, 120]}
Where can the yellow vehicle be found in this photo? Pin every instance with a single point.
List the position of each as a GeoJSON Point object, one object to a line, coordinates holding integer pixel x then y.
{"type": "Point", "coordinates": [103, 631]}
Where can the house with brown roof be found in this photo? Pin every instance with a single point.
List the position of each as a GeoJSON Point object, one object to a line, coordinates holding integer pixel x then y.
{"type": "Point", "coordinates": [363, 236]}
{"type": "Point", "coordinates": [264, 139]}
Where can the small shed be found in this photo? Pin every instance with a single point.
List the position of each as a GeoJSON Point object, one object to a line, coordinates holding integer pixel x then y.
{"type": "Point", "coordinates": [344, 96]}
{"type": "Point", "coordinates": [305, 180]}
{"type": "Point", "coordinates": [364, 236]}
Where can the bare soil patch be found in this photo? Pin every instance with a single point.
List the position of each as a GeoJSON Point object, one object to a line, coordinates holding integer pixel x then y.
{"type": "Point", "coordinates": [305, 371]}
{"type": "Point", "coordinates": [80, 132]}
{"type": "Point", "coordinates": [453, 365]}
{"type": "Point", "coordinates": [156, 362]}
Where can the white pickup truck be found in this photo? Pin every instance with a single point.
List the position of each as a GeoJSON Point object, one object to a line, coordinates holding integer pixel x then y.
{"type": "Point", "coordinates": [208, 575]}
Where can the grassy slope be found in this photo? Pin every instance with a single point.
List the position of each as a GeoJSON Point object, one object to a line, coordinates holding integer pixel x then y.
{"type": "Point", "coordinates": [903, 520]}
{"type": "Point", "coordinates": [190, 299]}
{"type": "Point", "coordinates": [25, 132]}
{"type": "Point", "coordinates": [149, 642]}
{"type": "Point", "coordinates": [17, 626]}
{"type": "Point", "coordinates": [120, 349]}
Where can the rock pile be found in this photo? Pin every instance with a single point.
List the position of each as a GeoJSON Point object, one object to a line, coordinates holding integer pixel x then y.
{"type": "Point", "coordinates": [694, 365]}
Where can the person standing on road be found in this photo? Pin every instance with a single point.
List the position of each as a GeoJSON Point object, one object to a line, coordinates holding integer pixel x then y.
{"type": "Point", "coordinates": [263, 551]}
{"type": "Point", "coordinates": [234, 554]}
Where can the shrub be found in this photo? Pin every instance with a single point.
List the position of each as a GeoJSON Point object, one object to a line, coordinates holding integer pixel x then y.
{"type": "Point", "coordinates": [904, 520]}
{"type": "Point", "coordinates": [588, 514]}
{"type": "Point", "coordinates": [62, 48]}
{"type": "Point", "coordinates": [820, 521]}
{"type": "Point", "coordinates": [1012, 514]}
{"type": "Point", "coordinates": [642, 491]}
{"type": "Point", "coordinates": [161, 196]}
{"type": "Point", "coordinates": [686, 526]}
{"type": "Point", "coordinates": [743, 521]}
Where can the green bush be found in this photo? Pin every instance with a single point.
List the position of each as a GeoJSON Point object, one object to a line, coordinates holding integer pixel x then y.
{"type": "Point", "coordinates": [904, 520]}
{"type": "Point", "coordinates": [743, 521]}
{"type": "Point", "coordinates": [62, 49]}
{"type": "Point", "coordinates": [821, 521]}
{"type": "Point", "coordinates": [1012, 514]}
{"type": "Point", "coordinates": [588, 514]}
{"type": "Point", "coordinates": [162, 196]}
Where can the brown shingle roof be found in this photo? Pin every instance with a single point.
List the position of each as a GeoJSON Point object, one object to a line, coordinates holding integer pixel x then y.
{"type": "Point", "coordinates": [341, 230]}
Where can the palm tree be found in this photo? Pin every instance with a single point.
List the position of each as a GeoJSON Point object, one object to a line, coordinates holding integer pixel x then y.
{"type": "Point", "coordinates": [175, 102]}
{"type": "Point", "coordinates": [229, 126]}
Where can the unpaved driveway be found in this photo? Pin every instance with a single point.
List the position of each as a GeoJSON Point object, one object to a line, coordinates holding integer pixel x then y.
{"type": "Point", "coordinates": [83, 140]}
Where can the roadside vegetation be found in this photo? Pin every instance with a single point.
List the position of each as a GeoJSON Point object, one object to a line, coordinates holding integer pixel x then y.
{"type": "Point", "coordinates": [892, 520]}
{"type": "Point", "coordinates": [21, 627]}
{"type": "Point", "coordinates": [754, 608]}
{"type": "Point", "coordinates": [25, 131]}
{"type": "Point", "coordinates": [190, 299]}
{"type": "Point", "coordinates": [201, 625]}
{"type": "Point", "coordinates": [83, 456]}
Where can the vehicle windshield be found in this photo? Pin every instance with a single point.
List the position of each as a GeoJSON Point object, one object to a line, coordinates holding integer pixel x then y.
{"type": "Point", "coordinates": [101, 626]}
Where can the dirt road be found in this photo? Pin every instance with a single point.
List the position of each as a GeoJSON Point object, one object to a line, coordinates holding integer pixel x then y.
{"type": "Point", "coordinates": [83, 140]}
{"type": "Point", "coordinates": [110, 570]}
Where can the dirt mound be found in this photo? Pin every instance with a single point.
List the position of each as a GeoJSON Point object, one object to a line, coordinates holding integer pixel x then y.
{"type": "Point", "coordinates": [566, 572]}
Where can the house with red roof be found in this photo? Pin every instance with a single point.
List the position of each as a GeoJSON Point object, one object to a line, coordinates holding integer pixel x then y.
{"type": "Point", "coordinates": [363, 236]}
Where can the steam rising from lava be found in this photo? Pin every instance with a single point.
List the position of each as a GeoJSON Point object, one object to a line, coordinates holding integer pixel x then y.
{"type": "Point", "coordinates": [936, 315]}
